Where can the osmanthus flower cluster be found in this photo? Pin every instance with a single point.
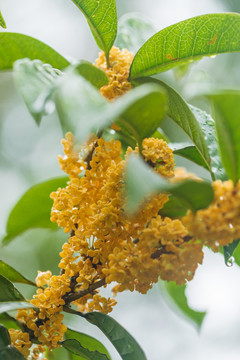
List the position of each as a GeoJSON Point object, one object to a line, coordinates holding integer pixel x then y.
{"type": "Point", "coordinates": [108, 246]}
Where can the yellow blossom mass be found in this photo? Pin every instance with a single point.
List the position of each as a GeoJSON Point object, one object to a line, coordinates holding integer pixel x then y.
{"type": "Point", "coordinates": [217, 225]}
{"type": "Point", "coordinates": [117, 72]}
{"type": "Point", "coordinates": [105, 245]}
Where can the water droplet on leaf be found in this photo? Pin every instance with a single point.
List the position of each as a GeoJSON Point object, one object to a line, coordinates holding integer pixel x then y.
{"type": "Point", "coordinates": [230, 261]}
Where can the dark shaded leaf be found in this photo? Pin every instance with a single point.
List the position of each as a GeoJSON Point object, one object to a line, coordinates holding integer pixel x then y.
{"type": "Point", "coordinates": [35, 82]}
{"type": "Point", "coordinates": [102, 19]}
{"type": "Point", "coordinates": [142, 181]}
{"type": "Point", "coordinates": [76, 348]}
{"type": "Point", "coordinates": [146, 108]}
{"type": "Point", "coordinates": [134, 30]}
{"type": "Point", "coordinates": [33, 209]}
{"type": "Point", "coordinates": [11, 353]}
{"type": "Point", "coordinates": [227, 117]}
{"type": "Point", "coordinates": [189, 152]}
{"type": "Point", "coordinates": [125, 344]}
{"type": "Point", "coordinates": [15, 46]}
{"type": "Point", "coordinates": [228, 252]}
{"type": "Point", "coordinates": [8, 292]}
{"type": "Point", "coordinates": [88, 342]}
{"type": "Point", "coordinates": [4, 337]}
{"type": "Point", "coordinates": [191, 39]}
{"type": "Point", "coordinates": [178, 296]}
{"type": "Point", "coordinates": [13, 275]}
{"type": "Point", "coordinates": [173, 208]}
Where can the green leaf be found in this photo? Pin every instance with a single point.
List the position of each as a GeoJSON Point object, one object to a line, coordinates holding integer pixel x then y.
{"type": "Point", "coordinates": [236, 254]}
{"type": "Point", "coordinates": [13, 275]}
{"type": "Point", "coordinates": [204, 35]}
{"type": "Point", "coordinates": [227, 116]}
{"type": "Point", "coordinates": [178, 296]}
{"type": "Point", "coordinates": [8, 292]}
{"type": "Point", "coordinates": [102, 19]}
{"type": "Point", "coordinates": [228, 252]}
{"type": "Point", "coordinates": [173, 208]}
{"type": "Point", "coordinates": [134, 30]}
{"type": "Point", "coordinates": [81, 108]}
{"type": "Point", "coordinates": [125, 344]}
{"type": "Point", "coordinates": [33, 209]}
{"type": "Point", "coordinates": [35, 82]}
{"type": "Point", "coordinates": [138, 112]}
{"type": "Point", "coordinates": [94, 75]}
{"type": "Point", "coordinates": [76, 348]}
{"type": "Point", "coordinates": [189, 152]}
{"type": "Point", "coordinates": [4, 337]}
{"type": "Point", "coordinates": [88, 342]}
{"type": "Point", "coordinates": [15, 46]}
{"type": "Point", "coordinates": [207, 125]}
{"type": "Point", "coordinates": [146, 107]}
{"type": "Point", "coordinates": [11, 353]}
{"type": "Point", "coordinates": [142, 181]}
{"type": "Point", "coordinates": [8, 321]}
{"type": "Point", "coordinates": [2, 22]}
{"type": "Point", "coordinates": [181, 114]}
{"type": "Point", "coordinates": [10, 305]}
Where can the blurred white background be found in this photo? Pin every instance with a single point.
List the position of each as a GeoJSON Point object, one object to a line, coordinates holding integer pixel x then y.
{"type": "Point", "coordinates": [28, 155]}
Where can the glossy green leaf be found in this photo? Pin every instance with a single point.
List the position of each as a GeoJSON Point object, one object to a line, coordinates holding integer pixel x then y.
{"type": "Point", "coordinates": [4, 337]}
{"type": "Point", "coordinates": [2, 22]}
{"type": "Point", "coordinates": [236, 254]}
{"type": "Point", "coordinates": [8, 321]}
{"type": "Point", "coordinates": [178, 296]}
{"type": "Point", "coordinates": [102, 19]}
{"type": "Point", "coordinates": [173, 208]}
{"type": "Point", "coordinates": [10, 305]}
{"type": "Point", "coordinates": [142, 110]}
{"type": "Point", "coordinates": [33, 209]}
{"type": "Point", "coordinates": [125, 344]}
{"type": "Point", "coordinates": [35, 82]}
{"type": "Point", "coordinates": [204, 35]}
{"type": "Point", "coordinates": [228, 252]}
{"type": "Point", "coordinates": [90, 72]}
{"type": "Point", "coordinates": [15, 46]}
{"type": "Point", "coordinates": [138, 112]}
{"type": "Point", "coordinates": [227, 116]}
{"type": "Point", "coordinates": [11, 353]}
{"type": "Point", "coordinates": [76, 348]}
{"type": "Point", "coordinates": [8, 292]}
{"type": "Point", "coordinates": [134, 30]}
{"type": "Point", "coordinates": [142, 181]}
{"type": "Point", "coordinates": [89, 343]}
{"type": "Point", "coordinates": [207, 125]}
{"type": "Point", "coordinates": [189, 152]}
{"type": "Point", "coordinates": [182, 115]}
{"type": "Point", "coordinates": [13, 275]}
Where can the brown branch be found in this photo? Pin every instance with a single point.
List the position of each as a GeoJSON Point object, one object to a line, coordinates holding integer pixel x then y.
{"type": "Point", "coordinates": [68, 298]}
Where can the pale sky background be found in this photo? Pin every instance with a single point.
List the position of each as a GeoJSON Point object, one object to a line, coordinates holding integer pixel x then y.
{"type": "Point", "coordinates": [28, 155]}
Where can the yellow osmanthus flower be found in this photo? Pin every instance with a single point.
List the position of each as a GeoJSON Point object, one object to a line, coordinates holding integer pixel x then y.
{"type": "Point", "coordinates": [217, 225]}
{"type": "Point", "coordinates": [102, 244]}
{"type": "Point", "coordinates": [117, 72]}
{"type": "Point", "coordinates": [159, 156]}
{"type": "Point", "coordinates": [163, 249]}
{"type": "Point", "coordinates": [21, 341]}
